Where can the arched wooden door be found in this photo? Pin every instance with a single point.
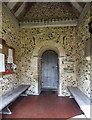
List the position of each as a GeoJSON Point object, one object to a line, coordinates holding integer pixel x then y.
{"type": "Point", "coordinates": [49, 71]}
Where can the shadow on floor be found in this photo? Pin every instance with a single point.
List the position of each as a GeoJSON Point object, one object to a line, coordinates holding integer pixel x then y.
{"type": "Point", "coordinates": [48, 93]}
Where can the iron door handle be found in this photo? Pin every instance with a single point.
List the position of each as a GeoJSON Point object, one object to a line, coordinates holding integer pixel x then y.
{"type": "Point", "coordinates": [55, 67]}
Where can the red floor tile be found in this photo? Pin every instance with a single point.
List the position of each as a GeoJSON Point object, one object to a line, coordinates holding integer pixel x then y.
{"type": "Point", "coordinates": [44, 106]}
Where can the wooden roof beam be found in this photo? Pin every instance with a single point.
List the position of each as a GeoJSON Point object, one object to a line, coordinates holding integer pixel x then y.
{"type": "Point", "coordinates": [76, 6]}
{"type": "Point", "coordinates": [84, 12]}
{"type": "Point", "coordinates": [72, 9]}
{"type": "Point", "coordinates": [82, 4]}
{"type": "Point", "coordinates": [8, 12]}
{"type": "Point", "coordinates": [16, 7]}
{"type": "Point", "coordinates": [11, 4]}
{"type": "Point", "coordinates": [21, 8]}
{"type": "Point", "coordinates": [25, 10]}
{"type": "Point", "coordinates": [5, 3]}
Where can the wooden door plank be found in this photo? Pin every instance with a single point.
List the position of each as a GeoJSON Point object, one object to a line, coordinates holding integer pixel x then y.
{"type": "Point", "coordinates": [49, 70]}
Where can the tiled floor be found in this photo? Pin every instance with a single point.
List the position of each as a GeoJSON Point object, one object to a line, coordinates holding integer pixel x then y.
{"type": "Point", "coordinates": [44, 106]}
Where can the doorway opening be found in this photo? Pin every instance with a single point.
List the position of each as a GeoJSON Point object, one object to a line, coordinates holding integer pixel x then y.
{"type": "Point", "coordinates": [49, 71]}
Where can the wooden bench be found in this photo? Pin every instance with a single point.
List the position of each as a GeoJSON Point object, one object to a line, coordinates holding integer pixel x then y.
{"type": "Point", "coordinates": [11, 96]}
{"type": "Point", "coordinates": [83, 100]}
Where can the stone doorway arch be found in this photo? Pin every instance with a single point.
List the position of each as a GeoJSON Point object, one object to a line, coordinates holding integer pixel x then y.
{"type": "Point", "coordinates": [36, 60]}
{"type": "Point", "coordinates": [41, 51]}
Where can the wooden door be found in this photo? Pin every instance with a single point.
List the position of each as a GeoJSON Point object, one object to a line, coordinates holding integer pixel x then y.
{"type": "Point", "coordinates": [49, 70]}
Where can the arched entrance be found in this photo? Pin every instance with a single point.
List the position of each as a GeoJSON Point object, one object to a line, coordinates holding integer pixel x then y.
{"type": "Point", "coordinates": [49, 71]}
{"type": "Point", "coordinates": [36, 63]}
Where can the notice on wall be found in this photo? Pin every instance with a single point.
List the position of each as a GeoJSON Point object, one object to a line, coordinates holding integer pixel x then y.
{"type": "Point", "coordinates": [1, 47]}
{"type": "Point", "coordinates": [10, 52]}
{"type": "Point", "coordinates": [2, 62]}
{"type": "Point", "coordinates": [10, 56]}
{"type": "Point", "coordinates": [10, 59]}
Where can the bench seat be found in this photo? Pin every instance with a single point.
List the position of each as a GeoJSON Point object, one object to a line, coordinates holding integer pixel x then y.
{"type": "Point", "coordinates": [83, 100]}
{"type": "Point", "coordinates": [11, 95]}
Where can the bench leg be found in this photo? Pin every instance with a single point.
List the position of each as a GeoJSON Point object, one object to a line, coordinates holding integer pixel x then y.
{"type": "Point", "coordinates": [70, 96]}
{"type": "Point", "coordinates": [6, 111]}
{"type": "Point", "coordinates": [24, 94]}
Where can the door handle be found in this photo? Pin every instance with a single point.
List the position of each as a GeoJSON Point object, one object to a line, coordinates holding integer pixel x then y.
{"type": "Point", "coordinates": [54, 67]}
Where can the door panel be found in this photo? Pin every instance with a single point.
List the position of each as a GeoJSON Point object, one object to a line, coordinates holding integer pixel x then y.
{"type": "Point", "coordinates": [49, 70]}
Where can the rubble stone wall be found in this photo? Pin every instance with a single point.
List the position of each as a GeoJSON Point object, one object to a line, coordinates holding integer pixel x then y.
{"type": "Point", "coordinates": [82, 64]}
{"type": "Point", "coordinates": [11, 34]}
